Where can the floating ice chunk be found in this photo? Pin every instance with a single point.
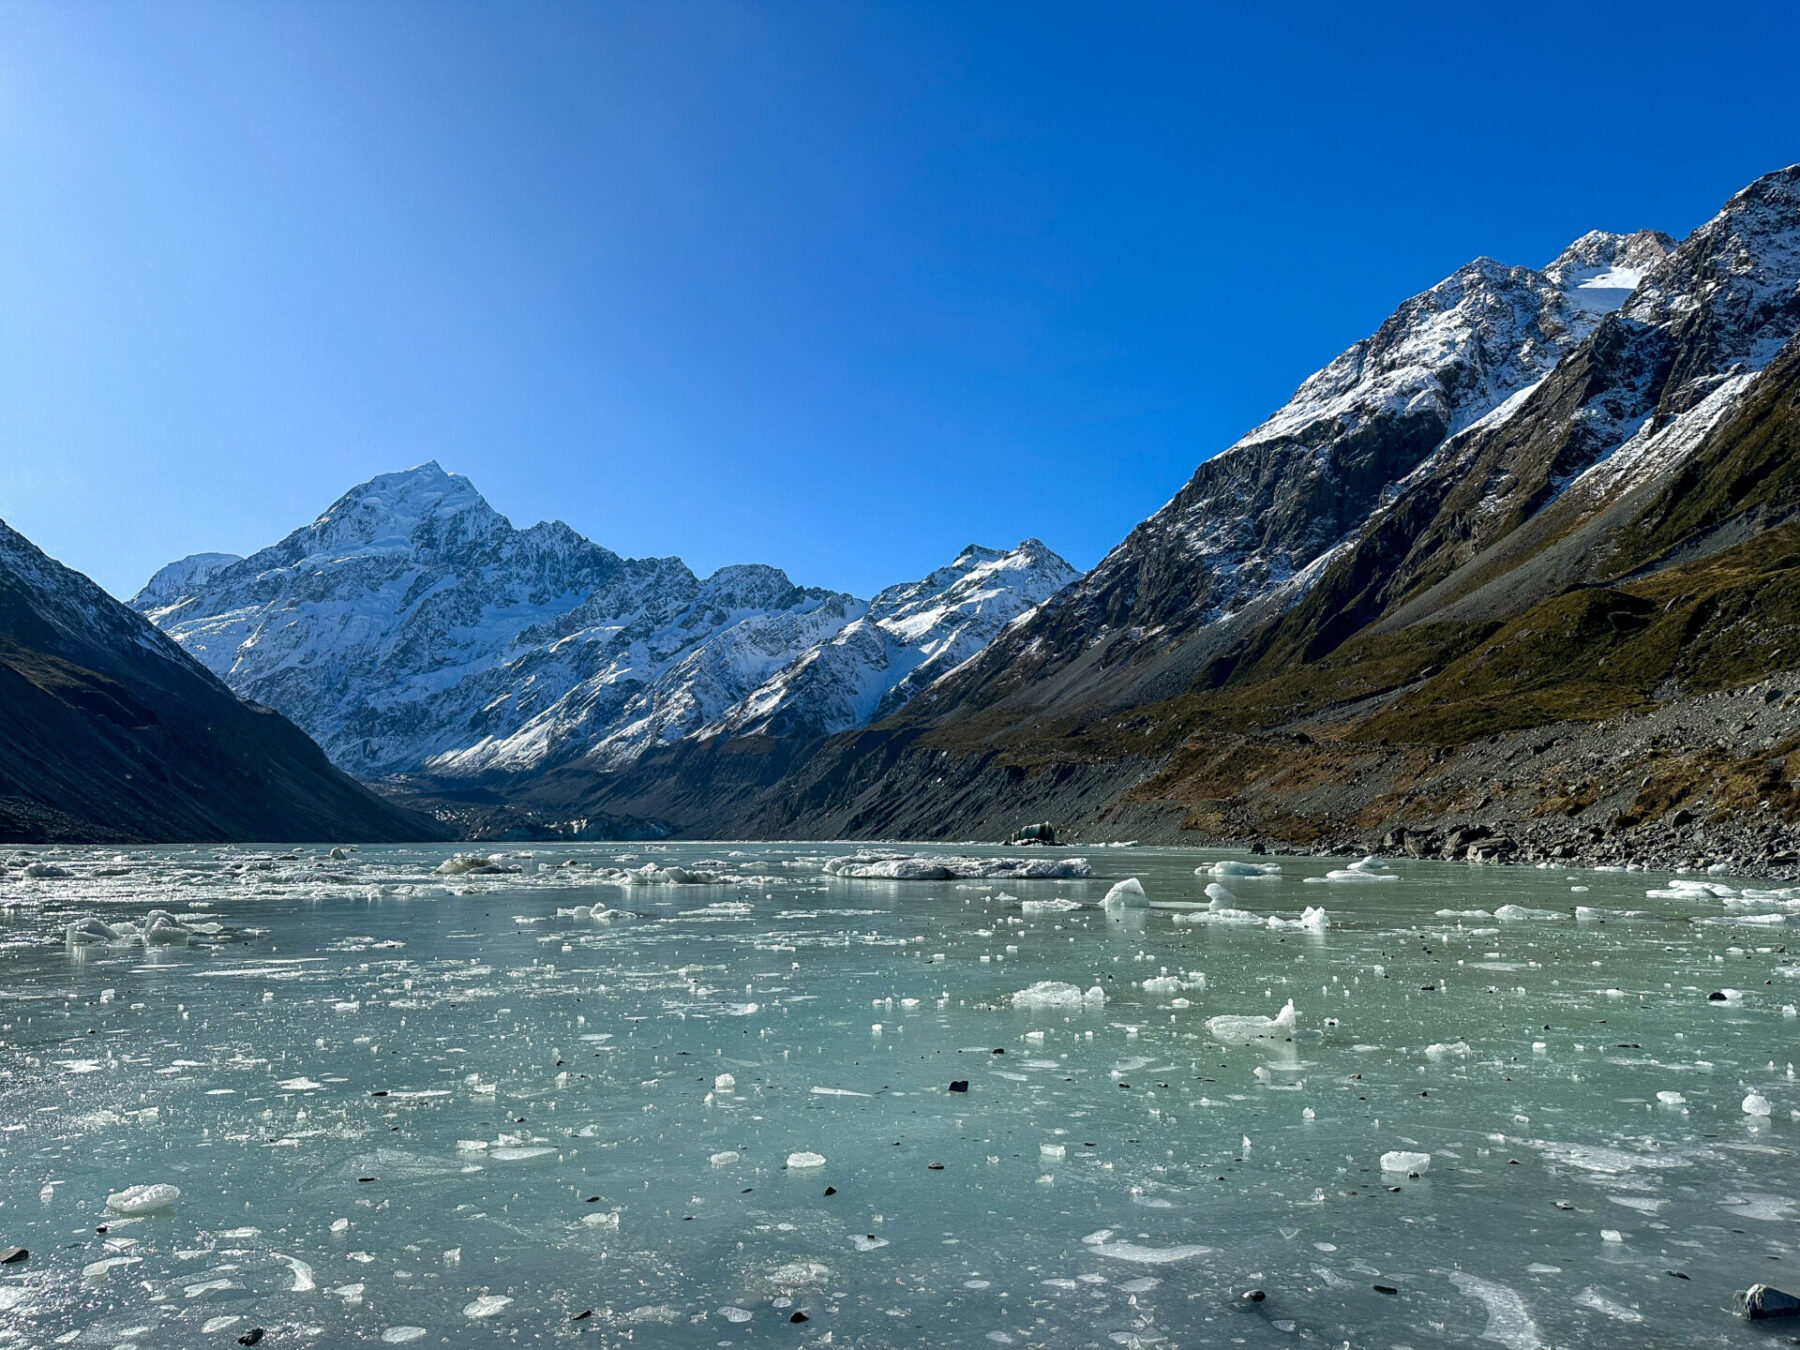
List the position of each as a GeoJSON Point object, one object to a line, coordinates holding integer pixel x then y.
{"type": "Point", "coordinates": [1668, 1098]}
{"type": "Point", "coordinates": [402, 1335]}
{"type": "Point", "coordinates": [1217, 897]}
{"type": "Point", "coordinates": [1313, 920]}
{"type": "Point", "coordinates": [1232, 1027]}
{"type": "Point", "coordinates": [734, 1314]}
{"type": "Point", "coordinates": [882, 865]}
{"type": "Point", "coordinates": [98, 1270]}
{"type": "Point", "coordinates": [1148, 1256]}
{"type": "Point", "coordinates": [216, 1324]}
{"type": "Point", "coordinates": [1757, 1105]}
{"type": "Point", "coordinates": [1126, 894]}
{"type": "Point", "coordinates": [607, 1219]}
{"type": "Point", "coordinates": [1508, 1320]}
{"type": "Point", "coordinates": [1593, 1298]}
{"type": "Point", "coordinates": [1611, 1235]}
{"type": "Point", "coordinates": [1232, 868]}
{"type": "Point", "coordinates": [488, 1305]}
{"type": "Point", "coordinates": [1057, 905]}
{"type": "Point", "coordinates": [724, 1083]}
{"type": "Point", "coordinates": [1059, 994]}
{"type": "Point", "coordinates": [805, 1162]}
{"type": "Point", "coordinates": [725, 1157]}
{"type": "Point", "coordinates": [91, 930]}
{"type": "Point", "coordinates": [797, 1273]}
{"type": "Point", "coordinates": [1354, 873]}
{"type": "Point", "coordinates": [143, 1199]}
{"type": "Point", "coordinates": [1517, 913]}
{"type": "Point", "coordinates": [867, 1242]}
{"type": "Point", "coordinates": [472, 864]}
{"type": "Point", "coordinates": [1057, 1151]}
{"type": "Point", "coordinates": [303, 1273]}
{"type": "Point", "coordinates": [1444, 1050]}
{"type": "Point", "coordinates": [1405, 1161]}
{"type": "Point", "coordinates": [519, 1153]}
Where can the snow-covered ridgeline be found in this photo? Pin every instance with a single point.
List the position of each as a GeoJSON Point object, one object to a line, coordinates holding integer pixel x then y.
{"type": "Point", "coordinates": [412, 626]}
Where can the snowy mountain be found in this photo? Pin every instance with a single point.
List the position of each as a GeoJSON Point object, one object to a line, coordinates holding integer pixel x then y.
{"type": "Point", "coordinates": [412, 628]}
{"type": "Point", "coordinates": [912, 635]}
{"type": "Point", "coordinates": [109, 732]}
{"type": "Point", "coordinates": [1259, 520]}
{"type": "Point", "coordinates": [1533, 499]}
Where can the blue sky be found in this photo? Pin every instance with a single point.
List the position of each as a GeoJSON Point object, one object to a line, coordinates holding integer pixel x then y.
{"type": "Point", "coordinates": [835, 286]}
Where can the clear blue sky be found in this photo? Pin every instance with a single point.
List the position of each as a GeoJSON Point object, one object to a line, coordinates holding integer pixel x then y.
{"type": "Point", "coordinates": [835, 286]}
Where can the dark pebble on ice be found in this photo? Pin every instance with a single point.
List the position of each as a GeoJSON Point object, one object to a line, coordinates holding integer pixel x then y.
{"type": "Point", "coordinates": [1384, 1289]}
{"type": "Point", "coordinates": [1762, 1301]}
{"type": "Point", "coordinates": [935, 1167]}
{"type": "Point", "coordinates": [381, 1093]}
{"type": "Point", "coordinates": [12, 1256]}
{"type": "Point", "coordinates": [1254, 1296]}
{"type": "Point", "coordinates": [1715, 997]}
{"type": "Point", "coordinates": [1124, 1085]}
{"type": "Point", "coordinates": [1000, 1050]}
{"type": "Point", "coordinates": [959, 1085]}
{"type": "Point", "coordinates": [1393, 1188]}
{"type": "Point", "coordinates": [831, 1190]}
{"type": "Point", "coordinates": [1676, 1274]}
{"type": "Point", "coordinates": [591, 1200]}
{"type": "Point", "coordinates": [252, 1337]}
{"type": "Point", "coordinates": [583, 1315]}
{"type": "Point", "coordinates": [365, 1178]}
{"type": "Point", "coordinates": [799, 1317]}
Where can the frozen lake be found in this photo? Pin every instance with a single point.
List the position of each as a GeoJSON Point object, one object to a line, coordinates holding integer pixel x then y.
{"type": "Point", "coordinates": [408, 1107]}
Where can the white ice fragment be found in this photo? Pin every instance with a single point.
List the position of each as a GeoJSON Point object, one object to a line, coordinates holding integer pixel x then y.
{"type": "Point", "coordinates": [488, 1305]}
{"type": "Point", "coordinates": [401, 1335]}
{"type": "Point", "coordinates": [1611, 1235]}
{"type": "Point", "coordinates": [1053, 1150]}
{"type": "Point", "coordinates": [1518, 913]}
{"type": "Point", "coordinates": [303, 1273]}
{"type": "Point", "coordinates": [1151, 1256]}
{"type": "Point", "coordinates": [724, 1158]}
{"type": "Point", "coordinates": [1406, 1162]}
{"type": "Point", "coordinates": [1232, 1027]}
{"type": "Point", "coordinates": [804, 1161]}
{"type": "Point", "coordinates": [1757, 1105]}
{"type": "Point", "coordinates": [1230, 868]}
{"type": "Point", "coordinates": [1058, 905]}
{"type": "Point", "coordinates": [1126, 894]}
{"type": "Point", "coordinates": [1058, 994]}
{"type": "Point", "coordinates": [1508, 1320]}
{"type": "Point", "coordinates": [724, 1083]}
{"type": "Point", "coordinates": [1671, 1098]}
{"type": "Point", "coordinates": [143, 1199]}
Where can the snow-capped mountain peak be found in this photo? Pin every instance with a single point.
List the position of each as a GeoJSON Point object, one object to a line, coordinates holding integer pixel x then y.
{"type": "Point", "coordinates": [412, 627]}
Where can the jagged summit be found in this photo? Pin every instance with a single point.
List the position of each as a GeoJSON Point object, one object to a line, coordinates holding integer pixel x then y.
{"type": "Point", "coordinates": [411, 627]}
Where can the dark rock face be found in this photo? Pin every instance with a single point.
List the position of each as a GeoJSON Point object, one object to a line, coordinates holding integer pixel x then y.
{"type": "Point", "coordinates": [1521, 526]}
{"type": "Point", "coordinates": [109, 732]}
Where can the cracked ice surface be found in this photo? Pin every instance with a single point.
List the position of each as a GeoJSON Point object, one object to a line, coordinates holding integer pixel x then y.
{"type": "Point", "coordinates": [399, 1103]}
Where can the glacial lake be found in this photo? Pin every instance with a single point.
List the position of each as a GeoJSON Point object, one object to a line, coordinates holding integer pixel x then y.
{"type": "Point", "coordinates": [408, 1107]}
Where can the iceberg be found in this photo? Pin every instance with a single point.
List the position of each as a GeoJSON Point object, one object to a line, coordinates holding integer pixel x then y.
{"type": "Point", "coordinates": [1232, 1027]}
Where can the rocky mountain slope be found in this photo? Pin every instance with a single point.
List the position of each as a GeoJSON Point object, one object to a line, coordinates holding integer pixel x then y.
{"type": "Point", "coordinates": [110, 732]}
{"type": "Point", "coordinates": [413, 630]}
{"type": "Point", "coordinates": [1544, 505]}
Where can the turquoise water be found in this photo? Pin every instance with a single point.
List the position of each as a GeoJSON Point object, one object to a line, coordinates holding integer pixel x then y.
{"type": "Point", "coordinates": [555, 1136]}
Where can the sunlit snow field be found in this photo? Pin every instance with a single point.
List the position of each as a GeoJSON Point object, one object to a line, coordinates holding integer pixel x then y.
{"type": "Point", "coordinates": [410, 1107]}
